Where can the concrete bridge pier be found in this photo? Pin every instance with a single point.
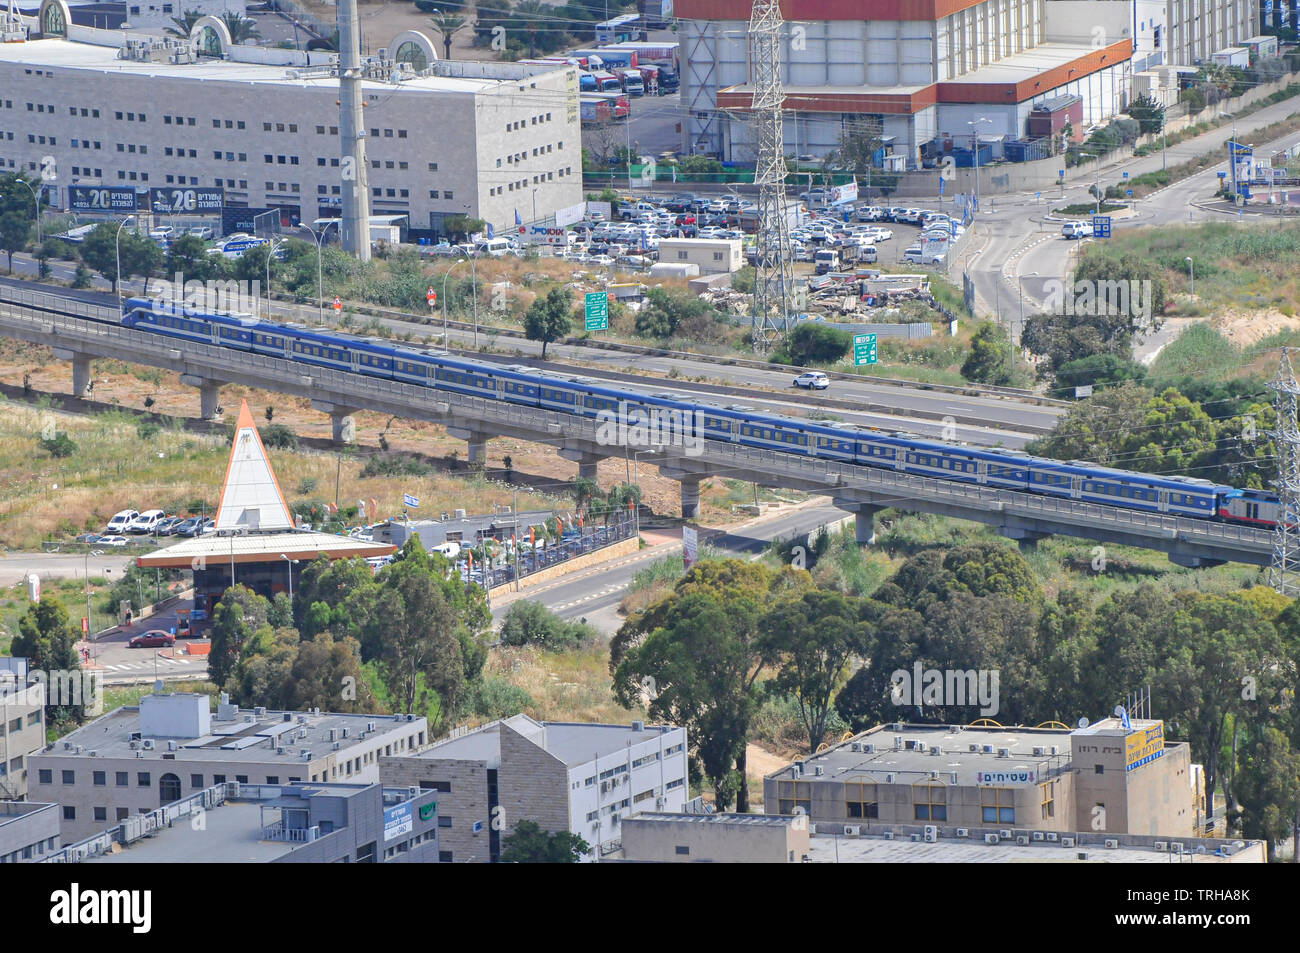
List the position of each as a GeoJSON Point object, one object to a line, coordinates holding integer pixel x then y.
{"type": "Point", "coordinates": [1027, 539]}
{"type": "Point", "coordinates": [80, 369]}
{"type": "Point", "coordinates": [209, 395]}
{"type": "Point", "coordinates": [864, 524]}
{"type": "Point", "coordinates": [586, 461]}
{"type": "Point", "coordinates": [477, 440]}
{"type": "Point", "coordinates": [690, 481]}
{"type": "Point", "coordinates": [342, 425]}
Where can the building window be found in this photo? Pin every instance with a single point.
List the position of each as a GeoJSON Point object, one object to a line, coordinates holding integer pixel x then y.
{"type": "Point", "coordinates": [793, 796]}
{"type": "Point", "coordinates": [930, 803]}
{"type": "Point", "coordinates": [45, 776]}
{"type": "Point", "coordinates": [1098, 769]}
{"type": "Point", "coordinates": [682, 850]}
{"type": "Point", "coordinates": [444, 821]}
{"type": "Point", "coordinates": [69, 812]}
{"type": "Point", "coordinates": [448, 195]}
{"type": "Point", "coordinates": [121, 778]}
{"type": "Point", "coordinates": [1049, 799]}
{"type": "Point", "coordinates": [196, 780]}
{"type": "Point", "coordinates": [860, 800]}
{"type": "Point", "coordinates": [998, 806]}
{"type": "Point", "coordinates": [100, 778]}
{"type": "Point", "coordinates": [101, 814]}
{"type": "Point", "coordinates": [433, 167]}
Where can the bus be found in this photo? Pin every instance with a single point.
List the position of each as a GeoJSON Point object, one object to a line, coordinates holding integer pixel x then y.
{"type": "Point", "coordinates": [627, 27]}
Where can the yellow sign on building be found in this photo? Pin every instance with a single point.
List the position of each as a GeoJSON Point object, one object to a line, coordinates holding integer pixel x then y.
{"type": "Point", "coordinates": [1144, 745]}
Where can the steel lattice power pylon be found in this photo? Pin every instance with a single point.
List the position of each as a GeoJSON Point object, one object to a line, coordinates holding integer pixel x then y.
{"type": "Point", "coordinates": [1284, 572]}
{"type": "Point", "coordinates": [773, 277]}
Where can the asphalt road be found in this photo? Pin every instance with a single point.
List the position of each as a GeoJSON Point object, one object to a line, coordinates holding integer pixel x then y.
{"type": "Point", "coordinates": [594, 595]}
{"type": "Point", "coordinates": [15, 567]}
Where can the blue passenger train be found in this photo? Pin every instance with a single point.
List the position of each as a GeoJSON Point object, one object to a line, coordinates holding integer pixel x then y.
{"type": "Point", "coordinates": [688, 419]}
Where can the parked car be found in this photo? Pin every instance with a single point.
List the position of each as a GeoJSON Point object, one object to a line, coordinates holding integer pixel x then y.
{"type": "Point", "coordinates": [1076, 230]}
{"type": "Point", "coordinates": [111, 541]}
{"type": "Point", "coordinates": [153, 639]}
{"type": "Point", "coordinates": [87, 537]}
{"type": "Point", "coordinates": [812, 380]}
{"type": "Point", "coordinates": [914, 255]}
{"type": "Point", "coordinates": [202, 231]}
{"type": "Point", "coordinates": [121, 521]}
{"type": "Point", "coordinates": [209, 526]}
{"type": "Point", "coordinates": [167, 525]}
{"type": "Point", "coordinates": [146, 522]}
{"type": "Point", "coordinates": [188, 527]}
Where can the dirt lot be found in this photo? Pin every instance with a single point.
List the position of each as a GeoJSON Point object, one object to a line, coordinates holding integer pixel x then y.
{"type": "Point", "coordinates": [1244, 329]}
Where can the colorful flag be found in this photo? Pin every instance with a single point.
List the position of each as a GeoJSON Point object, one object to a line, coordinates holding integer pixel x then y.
{"type": "Point", "coordinates": [518, 220]}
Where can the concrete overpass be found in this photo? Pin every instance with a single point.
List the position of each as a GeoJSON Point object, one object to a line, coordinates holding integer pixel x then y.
{"type": "Point", "coordinates": [861, 490]}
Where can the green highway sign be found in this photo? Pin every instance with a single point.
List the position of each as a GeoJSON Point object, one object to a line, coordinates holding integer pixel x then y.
{"type": "Point", "coordinates": [864, 349]}
{"type": "Point", "coordinates": [597, 310]}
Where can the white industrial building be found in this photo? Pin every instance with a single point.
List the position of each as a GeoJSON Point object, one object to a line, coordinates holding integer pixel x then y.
{"type": "Point", "coordinates": [115, 108]}
{"type": "Point", "coordinates": [929, 69]}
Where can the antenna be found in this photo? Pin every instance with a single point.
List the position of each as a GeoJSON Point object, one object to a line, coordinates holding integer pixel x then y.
{"type": "Point", "coordinates": [773, 277]}
{"type": "Point", "coordinates": [1284, 571]}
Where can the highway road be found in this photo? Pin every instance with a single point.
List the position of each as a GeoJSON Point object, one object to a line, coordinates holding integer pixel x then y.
{"type": "Point", "coordinates": [595, 594]}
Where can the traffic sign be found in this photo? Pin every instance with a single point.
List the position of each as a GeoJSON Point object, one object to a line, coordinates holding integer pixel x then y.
{"type": "Point", "coordinates": [864, 349]}
{"type": "Point", "coordinates": [1130, 192]}
{"type": "Point", "coordinates": [338, 304]}
{"type": "Point", "coordinates": [1101, 226]}
{"type": "Point", "coordinates": [597, 310]}
{"type": "Point", "coordinates": [432, 297]}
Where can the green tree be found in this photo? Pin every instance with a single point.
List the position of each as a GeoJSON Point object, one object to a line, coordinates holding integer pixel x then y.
{"type": "Point", "coordinates": [527, 843]}
{"type": "Point", "coordinates": [47, 639]}
{"type": "Point", "coordinates": [184, 24]}
{"type": "Point", "coordinates": [1149, 113]}
{"type": "Point", "coordinates": [447, 26]}
{"type": "Point", "coordinates": [100, 249]}
{"type": "Point", "coordinates": [809, 642]}
{"type": "Point", "coordinates": [1097, 371]}
{"type": "Point", "coordinates": [989, 360]}
{"type": "Point", "coordinates": [188, 256]}
{"type": "Point", "coordinates": [15, 232]}
{"type": "Point", "coordinates": [241, 28]}
{"type": "Point", "coordinates": [813, 343]}
{"type": "Point", "coordinates": [547, 319]}
{"type": "Point", "coordinates": [666, 310]}
{"type": "Point", "coordinates": [238, 615]}
{"type": "Point", "coordinates": [531, 623]}
{"type": "Point", "coordinates": [1267, 785]}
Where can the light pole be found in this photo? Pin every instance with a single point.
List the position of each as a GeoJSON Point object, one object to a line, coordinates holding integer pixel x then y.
{"type": "Point", "coordinates": [473, 271]}
{"type": "Point", "coordinates": [269, 255]}
{"type": "Point", "coordinates": [320, 282]}
{"type": "Point", "coordinates": [636, 475]}
{"type": "Point", "coordinates": [1191, 270]}
{"type": "Point", "coordinates": [975, 148]}
{"type": "Point", "coordinates": [89, 553]}
{"type": "Point", "coordinates": [1096, 186]}
{"type": "Point", "coordinates": [444, 299]}
{"type": "Point", "coordinates": [37, 199]}
{"type": "Point", "coordinates": [291, 563]}
{"type": "Point", "coordinates": [1020, 280]}
{"type": "Point", "coordinates": [117, 249]}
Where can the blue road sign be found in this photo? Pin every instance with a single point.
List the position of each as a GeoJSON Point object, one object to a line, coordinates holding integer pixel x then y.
{"type": "Point", "coordinates": [1101, 226]}
{"type": "Point", "coordinates": [941, 184]}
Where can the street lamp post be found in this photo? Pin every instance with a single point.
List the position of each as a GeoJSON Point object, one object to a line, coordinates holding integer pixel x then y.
{"type": "Point", "coordinates": [320, 278]}
{"type": "Point", "coordinates": [1191, 270]}
{"type": "Point", "coordinates": [117, 249]}
{"type": "Point", "coordinates": [473, 283]}
{"type": "Point", "coordinates": [37, 199]}
{"type": "Point", "coordinates": [290, 567]}
{"type": "Point", "coordinates": [269, 255]}
{"type": "Point", "coordinates": [89, 553]}
{"type": "Point", "coordinates": [636, 474]}
{"type": "Point", "coordinates": [975, 148]}
{"type": "Point", "coordinates": [444, 299]}
{"type": "Point", "coordinates": [1096, 186]}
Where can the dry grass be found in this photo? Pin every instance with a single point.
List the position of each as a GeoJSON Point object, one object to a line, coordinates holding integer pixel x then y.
{"type": "Point", "coordinates": [565, 686]}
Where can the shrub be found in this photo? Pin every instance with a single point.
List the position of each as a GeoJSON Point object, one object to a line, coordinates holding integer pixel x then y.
{"type": "Point", "coordinates": [279, 437]}
{"type": "Point", "coordinates": [60, 445]}
{"type": "Point", "coordinates": [394, 465]}
{"type": "Point", "coordinates": [531, 623]}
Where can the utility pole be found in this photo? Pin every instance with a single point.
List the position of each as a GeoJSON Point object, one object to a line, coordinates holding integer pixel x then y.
{"type": "Point", "coordinates": [1284, 571]}
{"type": "Point", "coordinates": [355, 228]}
{"type": "Point", "coordinates": [773, 275]}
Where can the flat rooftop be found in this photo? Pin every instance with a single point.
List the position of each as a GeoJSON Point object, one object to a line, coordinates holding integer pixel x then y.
{"type": "Point", "coordinates": [262, 547]}
{"type": "Point", "coordinates": [713, 820]}
{"type": "Point", "coordinates": [232, 834]}
{"type": "Point", "coordinates": [946, 749]}
{"type": "Point", "coordinates": [248, 737]}
{"type": "Point", "coordinates": [903, 850]}
{"type": "Point", "coordinates": [568, 742]}
{"type": "Point", "coordinates": [57, 53]}
{"type": "Point", "coordinates": [1026, 64]}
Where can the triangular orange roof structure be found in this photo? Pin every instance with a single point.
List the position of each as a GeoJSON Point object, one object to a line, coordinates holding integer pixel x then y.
{"type": "Point", "coordinates": [250, 496]}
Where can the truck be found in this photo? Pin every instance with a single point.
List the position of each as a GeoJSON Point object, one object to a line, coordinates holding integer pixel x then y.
{"type": "Point", "coordinates": [650, 78]}
{"type": "Point", "coordinates": [826, 259]}
{"type": "Point", "coordinates": [660, 55]}
{"type": "Point", "coordinates": [633, 84]}
{"type": "Point", "coordinates": [619, 105]}
{"type": "Point", "coordinates": [594, 110]}
{"type": "Point", "coordinates": [609, 56]}
{"type": "Point", "coordinates": [607, 82]}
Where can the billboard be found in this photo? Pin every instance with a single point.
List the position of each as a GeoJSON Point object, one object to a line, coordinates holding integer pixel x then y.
{"type": "Point", "coordinates": [844, 193]}
{"type": "Point", "coordinates": [101, 198]}
{"type": "Point", "coordinates": [398, 821]}
{"type": "Point", "coordinates": [1144, 745]}
{"type": "Point", "coordinates": [187, 201]}
{"type": "Point", "coordinates": [690, 545]}
{"type": "Point", "coordinates": [571, 215]}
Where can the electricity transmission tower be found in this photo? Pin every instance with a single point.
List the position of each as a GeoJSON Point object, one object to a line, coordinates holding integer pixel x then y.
{"type": "Point", "coordinates": [773, 278]}
{"type": "Point", "coordinates": [1284, 571]}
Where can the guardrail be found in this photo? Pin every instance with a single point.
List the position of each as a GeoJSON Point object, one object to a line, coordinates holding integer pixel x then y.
{"type": "Point", "coordinates": [355, 390]}
{"type": "Point", "coordinates": [592, 539]}
{"type": "Point", "coordinates": [139, 825]}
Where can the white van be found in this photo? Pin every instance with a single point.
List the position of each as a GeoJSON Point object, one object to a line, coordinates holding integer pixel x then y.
{"type": "Point", "coordinates": [146, 521]}
{"type": "Point", "coordinates": [496, 247]}
{"type": "Point", "coordinates": [120, 522]}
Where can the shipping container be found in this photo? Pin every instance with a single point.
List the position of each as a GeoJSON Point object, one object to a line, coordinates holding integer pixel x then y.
{"type": "Point", "coordinates": [609, 56]}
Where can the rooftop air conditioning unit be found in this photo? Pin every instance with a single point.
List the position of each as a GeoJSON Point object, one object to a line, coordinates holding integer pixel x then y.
{"type": "Point", "coordinates": [898, 742]}
{"type": "Point", "coordinates": [818, 771]}
{"type": "Point", "coordinates": [67, 746]}
{"type": "Point", "coordinates": [1039, 752]}
{"type": "Point", "coordinates": [987, 749]}
{"type": "Point", "coordinates": [869, 749]}
{"type": "Point", "coordinates": [1051, 836]}
{"type": "Point", "coordinates": [1067, 841]}
{"type": "Point", "coordinates": [1160, 845]}
{"type": "Point", "coordinates": [1022, 840]}
{"type": "Point", "coordinates": [936, 750]}
{"type": "Point", "coordinates": [973, 748]}
{"type": "Point", "coordinates": [852, 830]}
{"type": "Point", "coordinates": [1005, 835]}
{"type": "Point", "coordinates": [259, 712]}
{"type": "Point", "coordinates": [302, 719]}
{"type": "Point", "coordinates": [889, 835]}
{"type": "Point", "coordinates": [171, 746]}
{"type": "Point", "coordinates": [1112, 843]}
{"type": "Point", "coordinates": [659, 804]}
{"type": "Point", "coordinates": [952, 777]}
{"type": "Point", "coordinates": [332, 733]}
{"type": "Point", "coordinates": [931, 833]}
{"type": "Point", "coordinates": [889, 779]}
{"type": "Point", "coordinates": [934, 775]}
{"type": "Point", "coordinates": [1176, 847]}
{"type": "Point", "coordinates": [249, 719]}
{"type": "Point", "coordinates": [1054, 750]}
{"type": "Point", "coordinates": [93, 753]}
{"type": "Point", "coordinates": [963, 832]}
{"type": "Point", "coordinates": [279, 750]}
{"type": "Point", "coordinates": [345, 732]}
{"type": "Point", "coordinates": [855, 746]}
{"type": "Point", "coordinates": [915, 838]}
{"type": "Point", "coordinates": [920, 746]}
{"type": "Point", "coordinates": [413, 790]}
{"type": "Point", "coordinates": [370, 726]}
{"type": "Point", "coordinates": [1038, 835]}
{"type": "Point", "coordinates": [990, 838]}
{"type": "Point", "coordinates": [1082, 855]}
{"type": "Point", "coordinates": [306, 755]}
{"type": "Point", "coordinates": [1004, 752]}
{"type": "Point", "coordinates": [147, 744]}
{"type": "Point", "coordinates": [338, 745]}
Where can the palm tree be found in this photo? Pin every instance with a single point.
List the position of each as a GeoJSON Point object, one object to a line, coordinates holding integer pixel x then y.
{"type": "Point", "coordinates": [534, 13]}
{"type": "Point", "coordinates": [240, 27]}
{"type": "Point", "coordinates": [448, 25]}
{"type": "Point", "coordinates": [184, 24]}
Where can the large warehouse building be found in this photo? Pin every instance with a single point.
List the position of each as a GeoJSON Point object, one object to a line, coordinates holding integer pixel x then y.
{"type": "Point", "coordinates": [445, 137]}
{"type": "Point", "coordinates": [930, 70]}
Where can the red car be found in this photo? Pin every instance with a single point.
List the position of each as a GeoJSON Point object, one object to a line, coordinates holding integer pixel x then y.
{"type": "Point", "coordinates": [155, 638]}
{"type": "Point", "coordinates": [687, 218]}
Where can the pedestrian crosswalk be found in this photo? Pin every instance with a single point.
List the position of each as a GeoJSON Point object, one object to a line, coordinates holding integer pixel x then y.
{"type": "Point", "coordinates": [595, 595]}
{"type": "Point", "coordinates": [142, 666]}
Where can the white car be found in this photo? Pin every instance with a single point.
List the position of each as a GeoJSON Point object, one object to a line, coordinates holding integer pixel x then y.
{"type": "Point", "coordinates": [121, 521]}
{"type": "Point", "coordinates": [812, 380]}
{"type": "Point", "coordinates": [161, 231]}
{"type": "Point", "coordinates": [111, 541]}
{"type": "Point", "coordinates": [1076, 230]}
{"type": "Point", "coordinates": [202, 231]}
{"type": "Point", "coordinates": [146, 522]}
{"type": "Point", "coordinates": [914, 255]}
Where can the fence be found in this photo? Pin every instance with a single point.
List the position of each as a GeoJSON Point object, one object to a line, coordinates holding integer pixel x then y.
{"type": "Point", "coordinates": [585, 540]}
